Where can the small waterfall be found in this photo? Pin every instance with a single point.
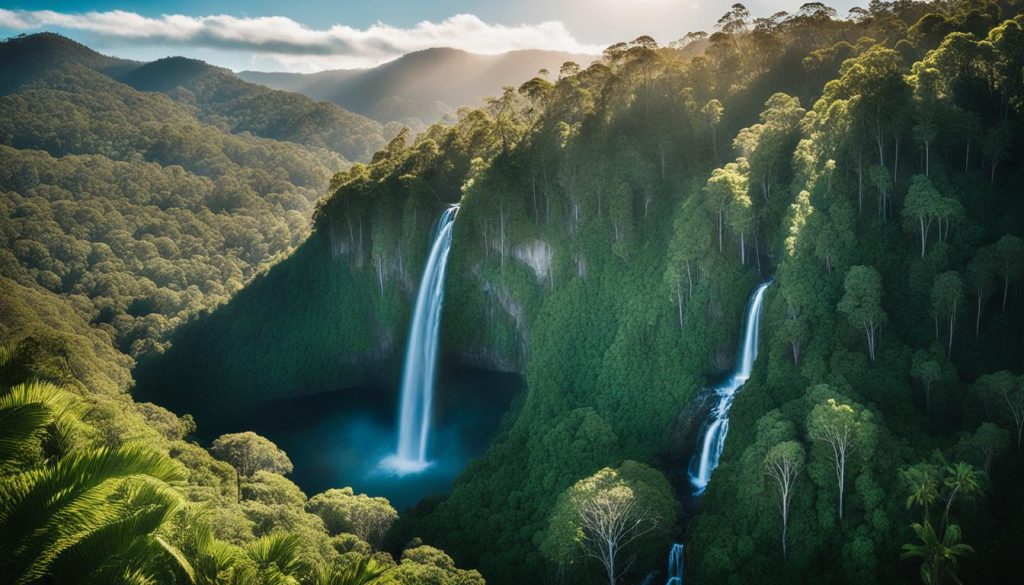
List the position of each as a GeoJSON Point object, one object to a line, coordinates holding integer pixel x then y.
{"type": "Point", "coordinates": [421, 357]}
{"type": "Point", "coordinates": [675, 565]}
{"type": "Point", "coordinates": [712, 437]}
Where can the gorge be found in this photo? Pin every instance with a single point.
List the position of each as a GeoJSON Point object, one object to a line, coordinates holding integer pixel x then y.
{"type": "Point", "coordinates": [222, 307]}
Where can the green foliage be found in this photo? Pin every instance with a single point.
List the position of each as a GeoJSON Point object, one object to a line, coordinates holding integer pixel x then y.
{"type": "Point", "coordinates": [248, 453]}
{"type": "Point", "coordinates": [342, 510]}
{"type": "Point", "coordinates": [606, 244]}
{"type": "Point", "coordinates": [608, 516]}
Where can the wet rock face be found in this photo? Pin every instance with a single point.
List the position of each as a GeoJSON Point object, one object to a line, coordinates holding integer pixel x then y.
{"type": "Point", "coordinates": [537, 255]}
{"type": "Point", "coordinates": [690, 419]}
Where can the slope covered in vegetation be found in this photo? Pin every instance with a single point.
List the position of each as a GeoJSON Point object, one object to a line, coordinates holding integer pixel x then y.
{"type": "Point", "coordinates": [146, 210]}
{"type": "Point", "coordinates": [613, 223]}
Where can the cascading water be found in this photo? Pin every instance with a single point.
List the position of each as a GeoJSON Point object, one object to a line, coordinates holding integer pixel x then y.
{"type": "Point", "coordinates": [675, 565]}
{"type": "Point", "coordinates": [421, 357]}
{"type": "Point", "coordinates": [712, 437]}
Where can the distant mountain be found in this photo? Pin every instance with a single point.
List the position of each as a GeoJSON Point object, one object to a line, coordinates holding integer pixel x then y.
{"type": "Point", "coordinates": [25, 57]}
{"type": "Point", "coordinates": [152, 192]}
{"type": "Point", "coordinates": [214, 94]}
{"type": "Point", "coordinates": [422, 86]}
{"type": "Point", "coordinates": [221, 97]}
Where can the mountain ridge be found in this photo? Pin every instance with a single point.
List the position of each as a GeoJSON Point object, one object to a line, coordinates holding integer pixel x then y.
{"type": "Point", "coordinates": [421, 87]}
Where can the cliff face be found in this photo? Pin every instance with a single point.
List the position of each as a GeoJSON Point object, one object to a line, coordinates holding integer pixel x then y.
{"type": "Point", "coordinates": [560, 270]}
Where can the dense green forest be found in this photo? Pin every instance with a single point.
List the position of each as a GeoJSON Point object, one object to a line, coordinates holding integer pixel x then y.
{"type": "Point", "coordinates": [143, 209]}
{"type": "Point", "coordinates": [614, 219]}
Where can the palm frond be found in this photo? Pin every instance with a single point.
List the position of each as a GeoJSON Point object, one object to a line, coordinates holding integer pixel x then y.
{"type": "Point", "coordinates": [275, 552]}
{"type": "Point", "coordinates": [45, 511]}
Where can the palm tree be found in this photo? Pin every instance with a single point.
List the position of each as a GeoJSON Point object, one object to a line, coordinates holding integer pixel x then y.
{"type": "Point", "coordinates": [87, 516]}
{"type": "Point", "coordinates": [206, 560]}
{"type": "Point", "coordinates": [38, 419]}
{"type": "Point", "coordinates": [924, 489]}
{"type": "Point", "coordinates": [961, 478]}
{"type": "Point", "coordinates": [276, 557]}
{"type": "Point", "coordinates": [939, 558]}
{"type": "Point", "coordinates": [365, 572]}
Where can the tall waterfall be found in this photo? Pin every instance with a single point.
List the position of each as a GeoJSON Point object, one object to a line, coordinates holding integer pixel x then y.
{"type": "Point", "coordinates": [421, 356]}
{"type": "Point", "coordinates": [675, 565]}
{"type": "Point", "coordinates": [712, 437]}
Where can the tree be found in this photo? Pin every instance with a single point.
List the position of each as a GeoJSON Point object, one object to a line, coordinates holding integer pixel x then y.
{"type": "Point", "coordinates": [428, 565]}
{"type": "Point", "coordinates": [961, 479]}
{"type": "Point", "coordinates": [947, 292]}
{"type": "Point", "coordinates": [985, 443]}
{"type": "Point", "coordinates": [928, 372]}
{"type": "Point", "coordinates": [1009, 254]}
{"type": "Point", "coordinates": [1004, 389]}
{"type": "Point", "coordinates": [996, 145]}
{"type": "Point", "coordinates": [782, 464]}
{"type": "Point", "coordinates": [862, 302]}
{"type": "Point", "coordinates": [926, 83]}
{"type": "Point", "coordinates": [939, 557]}
{"type": "Point", "coordinates": [276, 557]}
{"type": "Point", "coordinates": [248, 453]}
{"type": "Point", "coordinates": [836, 424]}
{"type": "Point", "coordinates": [880, 176]}
{"type": "Point", "coordinates": [920, 207]}
{"type": "Point", "coordinates": [713, 112]}
{"type": "Point", "coordinates": [365, 571]}
{"type": "Point", "coordinates": [92, 517]}
{"type": "Point", "coordinates": [981, 274]}
{"type": "Point", "coordinates": [342, 510]}
{"type": "Point", "coordinates": [609, 512]}
{"type": "Point", "coordinates": [726, 186]}
{"type": "Point", "coordinates": [922, 481]}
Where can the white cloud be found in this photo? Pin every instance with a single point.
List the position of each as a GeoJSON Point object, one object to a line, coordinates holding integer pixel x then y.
{"type": "Point", "coordinates": [282, 40]}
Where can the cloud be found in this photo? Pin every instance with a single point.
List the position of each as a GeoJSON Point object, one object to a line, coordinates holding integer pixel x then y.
{"type": "Point", "coordinates": [281, 39]}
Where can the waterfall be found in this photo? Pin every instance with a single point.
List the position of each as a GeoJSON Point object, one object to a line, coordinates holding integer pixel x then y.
{"type": "Point", "coordinates": [675, 565]}
{"type": "Point", "coordinates": [421, 356]}
{"type": "Point", "coordinates": [712, 437]}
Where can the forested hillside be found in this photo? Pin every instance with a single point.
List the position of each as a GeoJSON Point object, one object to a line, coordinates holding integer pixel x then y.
{"type": "Point", "coordinates": [124, 214]}
{"type": "Point", "coordinates": [613, 223]}
{"type": "Point", "coordinates": [145, 210]}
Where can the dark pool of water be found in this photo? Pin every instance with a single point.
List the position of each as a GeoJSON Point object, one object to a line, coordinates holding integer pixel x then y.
{"type": "Point", "coordinates": [338, 439]}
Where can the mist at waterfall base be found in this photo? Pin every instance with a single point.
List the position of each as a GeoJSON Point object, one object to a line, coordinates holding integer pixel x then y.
{"type": "Point", "coordinates": [337, 439]}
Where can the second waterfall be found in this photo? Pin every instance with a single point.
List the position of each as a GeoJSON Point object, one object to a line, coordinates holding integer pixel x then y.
{"type": "Point", "coordinates": [419, 372]}
{"type": "Point", "coordinates": [712, 436]}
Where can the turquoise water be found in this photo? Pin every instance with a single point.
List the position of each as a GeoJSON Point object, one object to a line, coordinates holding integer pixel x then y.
{"type": "Point", "coordinates": [337, 439]}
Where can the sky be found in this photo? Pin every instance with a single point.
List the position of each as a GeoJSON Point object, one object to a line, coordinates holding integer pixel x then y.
{"type": "Point", "coordinates": [313, 35]}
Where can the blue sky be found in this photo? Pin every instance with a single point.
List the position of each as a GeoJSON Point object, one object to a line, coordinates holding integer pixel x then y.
{"type": "Point", "coordinates": [320, 34]}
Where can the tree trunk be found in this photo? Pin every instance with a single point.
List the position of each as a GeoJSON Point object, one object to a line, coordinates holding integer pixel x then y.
{"type": "Point", "coordinates": [952, 321]}
{"type": "Point", "coordinates": [679, 300]}
{"type": "Point", "coordinates": [927, 157]}
{"type": "Point", "coordinates": [860, 184]}
{"type": "Point", "coordinates": [842, 481]}
{"type": "Point", "coordinates": [896, 160]}
{"type": "Point", "coordinates": [689, 278]}
{"type": "Point", "coordinates": [921, 218]}
{"type": "Point", "coordinates": [719, 231]}
{"type": "Point", "coordinates": [611, 564]}
{"type": "Point", "coordinates": [977, 318]}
